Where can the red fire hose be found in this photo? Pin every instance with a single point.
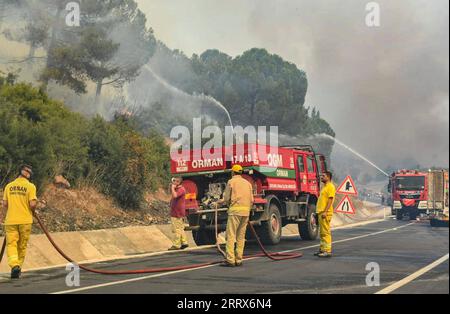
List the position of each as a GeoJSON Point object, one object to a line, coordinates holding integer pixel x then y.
{"type": "Point", "coordinates": [272, 256]}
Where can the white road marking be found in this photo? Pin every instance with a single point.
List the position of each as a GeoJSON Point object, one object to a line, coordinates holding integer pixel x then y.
{"type": "Point", "coordinates": [123, 257]}
{"type": "Point", "coordinates": [358, 224]}
{"type": "Point", "coordinates": [413, 276]}
{"type": "Point", "coordinates": [353, 238]}
{"type": "Point", "coordinates": [113, 283]}
{"type": "Point", "coordinates": [151, 254]}
{"type": "Point", "coordinates": [349, 226]}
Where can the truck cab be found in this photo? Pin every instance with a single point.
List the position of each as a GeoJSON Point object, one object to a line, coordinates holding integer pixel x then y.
{"type": "Point", "coordinates": [418, 193]}
{"type": "Point", "coordinates": [409, 193]}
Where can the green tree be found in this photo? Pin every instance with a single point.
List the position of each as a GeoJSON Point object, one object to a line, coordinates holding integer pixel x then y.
{"type": "Point", "coordinates": [38, 131]}
{"type": "Point", "coordinates": [116, 49]}
{"type": "Point", "coordinates": [258, 88]}
{"type": "Point", "coordinates": [113, 156]}
{"type": "Point", "coordinates": [109, 47]}
{"type": "Point", "coordinates": [97, 53]}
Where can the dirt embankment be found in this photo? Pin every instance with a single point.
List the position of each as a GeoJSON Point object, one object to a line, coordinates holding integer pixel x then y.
{"type": "Point", "coordinates": [80, 209]}
{"type": "Point", "coordinates": [365, 211]}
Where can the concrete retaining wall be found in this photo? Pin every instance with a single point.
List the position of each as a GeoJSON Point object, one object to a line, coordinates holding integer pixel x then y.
{"type": "Point", "coordinates": [100, 245]}
{"type": "Point", "coordinates": [95, 245]}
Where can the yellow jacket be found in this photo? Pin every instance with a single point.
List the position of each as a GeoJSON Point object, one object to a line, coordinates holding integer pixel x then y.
{"type": "Point", "coordinates": [239, 195]}
{"type": "Point", "coordinates": [327, 192]}
{"type": "Point", "coordinates": [19, 193]}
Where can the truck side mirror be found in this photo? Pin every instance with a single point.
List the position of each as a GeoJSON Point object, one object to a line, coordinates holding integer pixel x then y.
{"type": "Point", "coordinates": [323, 164]}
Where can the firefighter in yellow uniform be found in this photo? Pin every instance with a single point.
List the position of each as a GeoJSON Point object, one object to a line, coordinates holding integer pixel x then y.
{"type": "Point", "coordinates": [19, 199]}
{"type": "Point", "coordinates": [324, 211]}
{"type": "Point", "coordinates": [239, 196]}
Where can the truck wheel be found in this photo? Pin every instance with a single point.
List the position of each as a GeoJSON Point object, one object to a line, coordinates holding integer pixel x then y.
{"type": "Point", "coordinates": [393, 211]}
{"type": "Point", "coordinates": [413, 214]}
{"type": "Point", "coordinates": [204, 237]}
{"type": "Point", "coordinates": [438, 223]}
{"type": "Point", "coordinates": [309, 229]}
{"type": "Point", "coordinates": [399, 214]}
{"type": "Point", "coordinates": [270, 231]}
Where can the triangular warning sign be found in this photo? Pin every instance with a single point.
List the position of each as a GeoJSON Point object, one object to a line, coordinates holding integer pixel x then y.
{"type": "Point", "coordinates": [346, 206]}
{"type": "Point", "coordinates": [347, 187]}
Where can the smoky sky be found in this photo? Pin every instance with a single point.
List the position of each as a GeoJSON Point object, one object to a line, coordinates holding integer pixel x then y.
{"type": "Point", "coordinates": [384, 90]}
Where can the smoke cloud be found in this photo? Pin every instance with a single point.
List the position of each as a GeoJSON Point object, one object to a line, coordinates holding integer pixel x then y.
{"type": "Point", "coordinates": [384, 90]}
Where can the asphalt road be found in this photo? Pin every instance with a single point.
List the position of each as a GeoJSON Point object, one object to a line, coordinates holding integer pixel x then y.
{"type": "Point", "coordinates": [399, 249]}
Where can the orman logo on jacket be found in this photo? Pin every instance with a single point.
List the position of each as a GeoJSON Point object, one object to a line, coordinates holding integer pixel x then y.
{"type": "Point", "coordinates": [18, 189]}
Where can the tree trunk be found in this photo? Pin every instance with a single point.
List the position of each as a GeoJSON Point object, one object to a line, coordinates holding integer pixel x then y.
{"type": "Point", "coordinates": [31, 55]}
{"type": "Point", "coordinates": [2, 12]}
{"type": "Point", "coordinates": [98, 92]}
{"type": "Point", "coordinates": [252, 113]}
{"type": "Point", "coordinates": [51, 44]}
{"type": "Point", "coordinates": [252, 110]}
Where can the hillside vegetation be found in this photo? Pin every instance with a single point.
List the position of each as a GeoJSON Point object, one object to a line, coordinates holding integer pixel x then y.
{"type": "Point", "coordinates": [37, 130]}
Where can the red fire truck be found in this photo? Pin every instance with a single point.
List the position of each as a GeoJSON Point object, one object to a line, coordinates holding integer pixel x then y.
{"type": "Point", "coordinates": [286, 187]}
{"type": "Point", "coordinates": [418, 193]}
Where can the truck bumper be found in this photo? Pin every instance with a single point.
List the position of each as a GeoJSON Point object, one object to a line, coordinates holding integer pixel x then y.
{"type": "Point", "coordinates": [420, 205]}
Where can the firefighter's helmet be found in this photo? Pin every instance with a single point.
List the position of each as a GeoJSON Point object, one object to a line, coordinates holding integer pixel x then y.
{"type": "Point", "coordinates": [237, 168]}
